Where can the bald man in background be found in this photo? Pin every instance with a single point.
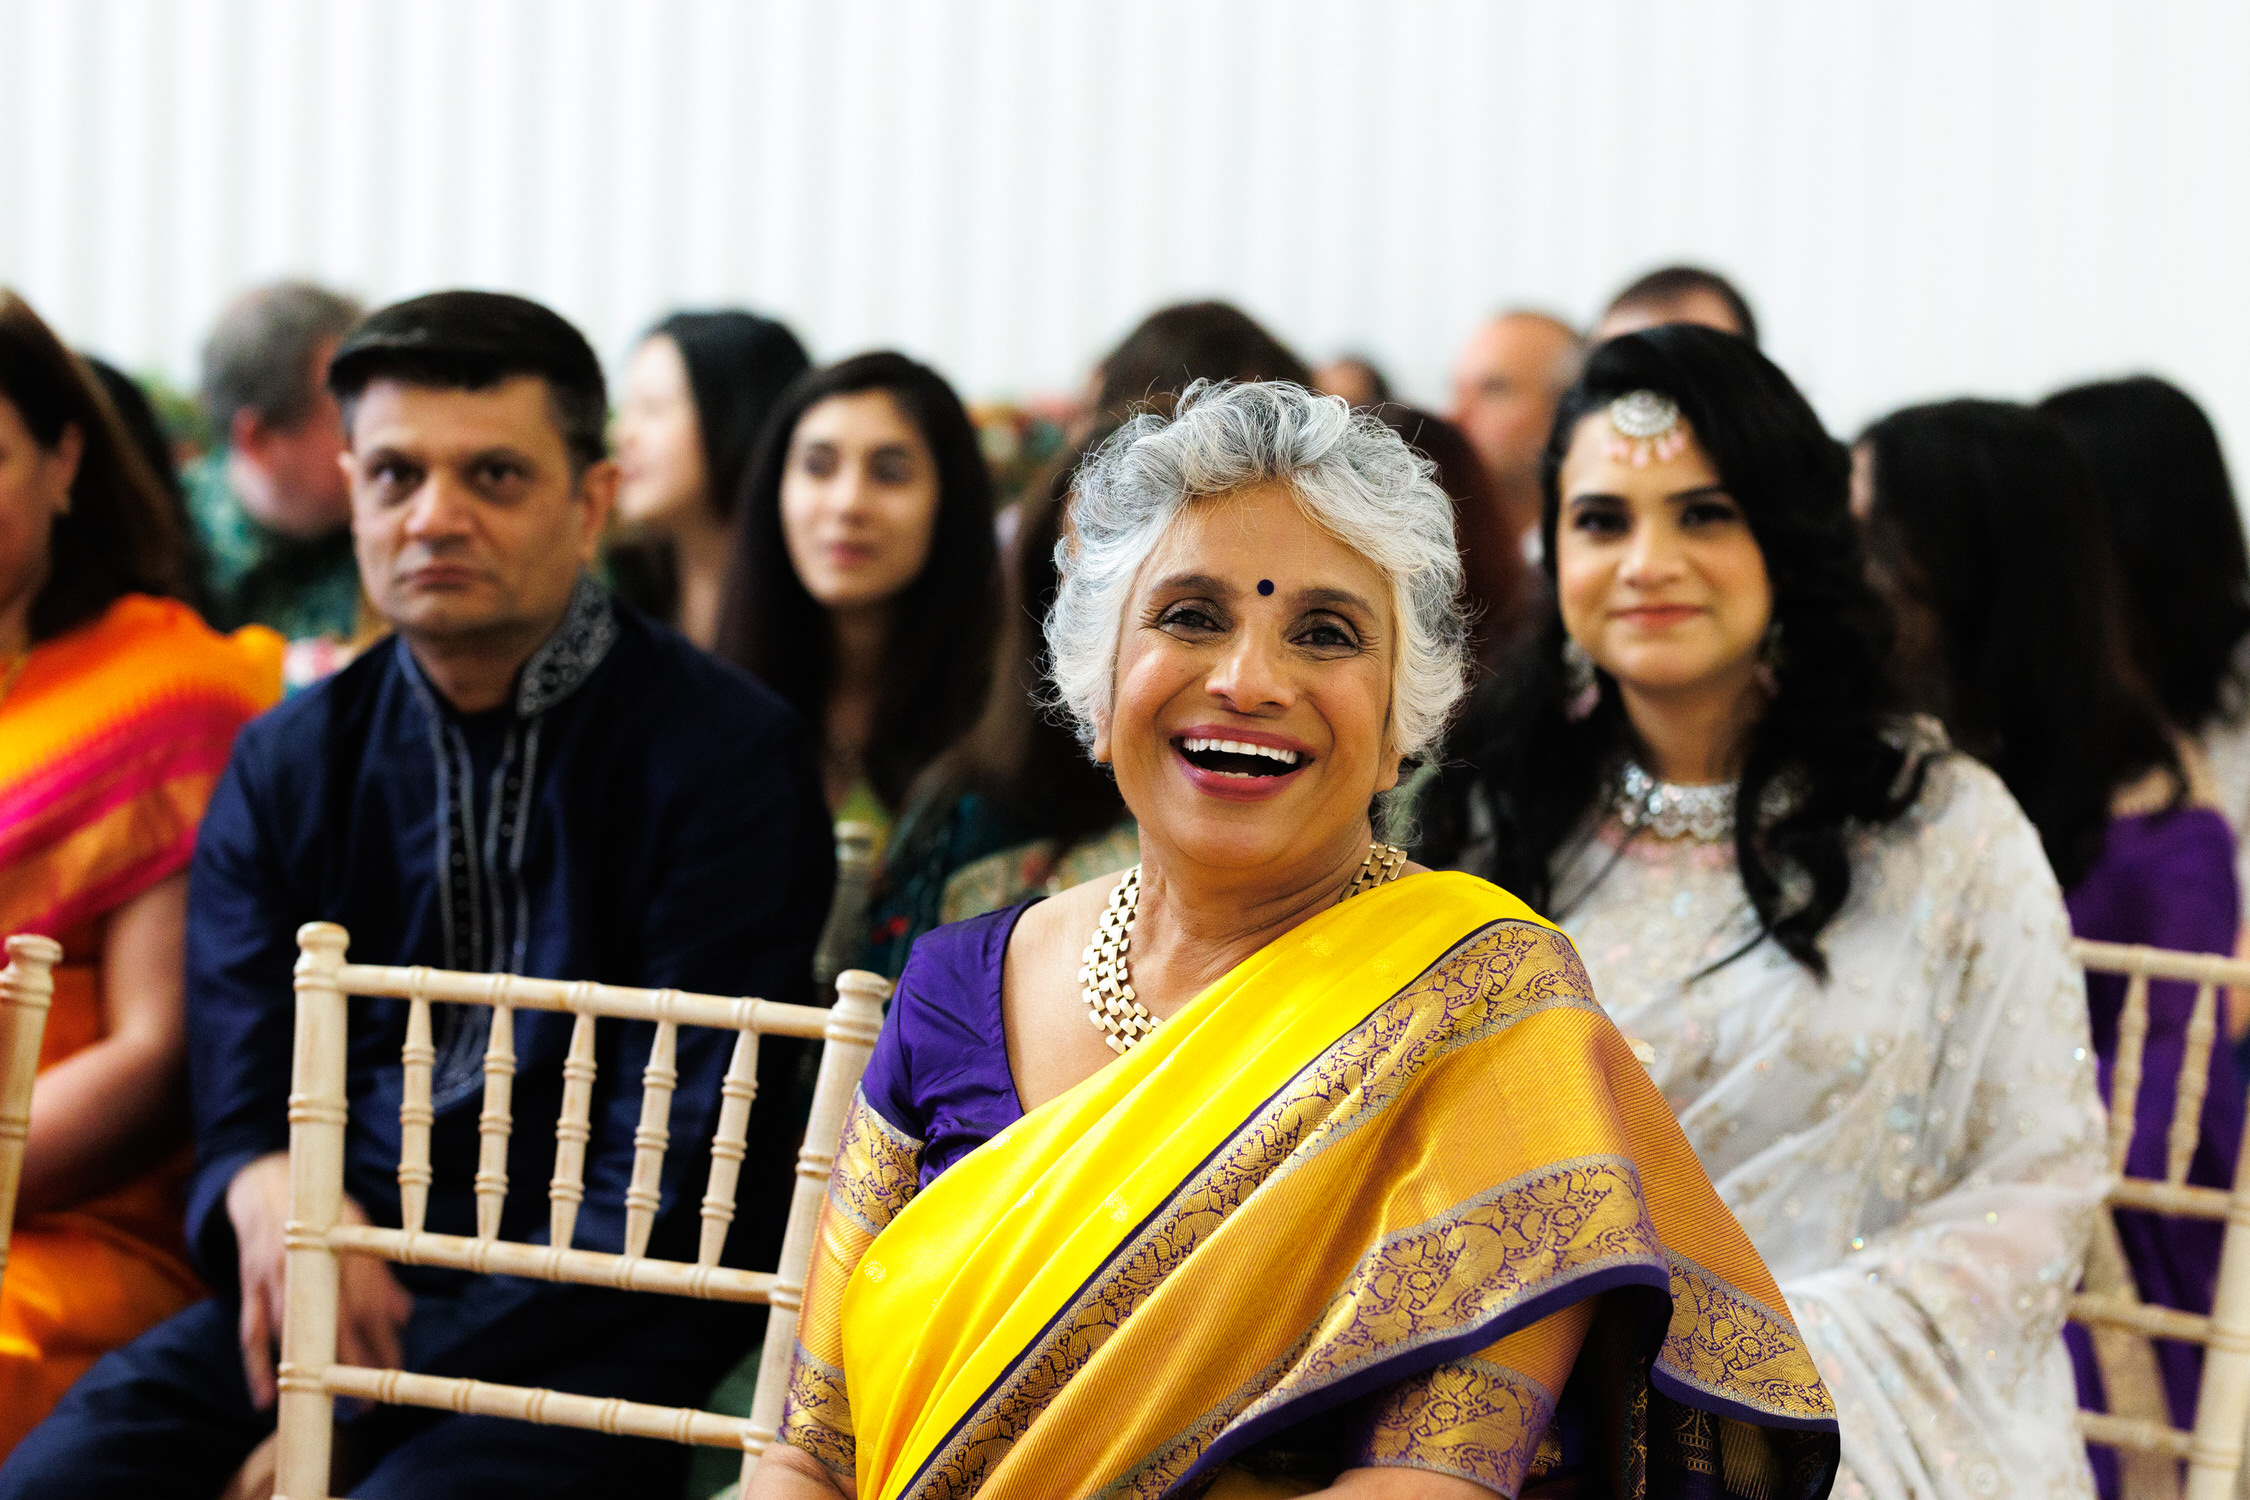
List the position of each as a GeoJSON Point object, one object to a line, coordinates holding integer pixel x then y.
{"type": "Point", "coordinates": [1505, 386]}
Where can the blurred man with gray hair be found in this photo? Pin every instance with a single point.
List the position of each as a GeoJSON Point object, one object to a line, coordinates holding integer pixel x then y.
{"type": "Point", "coordinates": [1505, 386]}
{"type": "Point", "coordinates": [269, 501]}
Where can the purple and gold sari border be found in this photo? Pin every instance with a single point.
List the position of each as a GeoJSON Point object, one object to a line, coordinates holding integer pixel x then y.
{"type": "Point", "coordinates": [1413, 1360]}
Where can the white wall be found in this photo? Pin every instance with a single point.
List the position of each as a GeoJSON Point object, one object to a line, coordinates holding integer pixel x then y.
{"type": "Point", "coordinates": [1922, 197]}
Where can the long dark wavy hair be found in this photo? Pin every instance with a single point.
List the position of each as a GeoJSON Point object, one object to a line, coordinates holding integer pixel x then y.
{"type": "Point", "coordinates": [2179, 538]}
{"type": "Point", "coordinates": [122, 534]}
{"type": "Point", "coordinates": [1829, 728]}
{"type": "Point", "coordinates": [1989, 529]}
{"type": "Point", "coordinates": [938, 661]}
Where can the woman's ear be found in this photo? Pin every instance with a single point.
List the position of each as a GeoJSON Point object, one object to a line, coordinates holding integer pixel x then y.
{"type": "Point", "coordinates": [1100, 748]}
{"type": "Point", "coordinates": [1394, 766]}
{"type": "Point", "coordinates": [61, 466]}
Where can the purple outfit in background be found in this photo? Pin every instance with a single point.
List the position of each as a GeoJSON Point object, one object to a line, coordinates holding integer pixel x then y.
{"type": "Point", "coordinates": [2165, 879]}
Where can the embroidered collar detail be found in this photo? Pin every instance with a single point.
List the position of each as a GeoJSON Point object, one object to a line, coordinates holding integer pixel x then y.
{"type": "Point", "coordinates": [568, 657]}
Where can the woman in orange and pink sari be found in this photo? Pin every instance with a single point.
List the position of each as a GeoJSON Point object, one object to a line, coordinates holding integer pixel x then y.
{"type": "Point", "coordinates": [1278, 1165]}
{"type": "Point", "coordinates": [117, 710]}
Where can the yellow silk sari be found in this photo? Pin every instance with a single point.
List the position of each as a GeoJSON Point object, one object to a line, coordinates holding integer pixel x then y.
{"type": "Point", "coordinates": [1398, 1167]}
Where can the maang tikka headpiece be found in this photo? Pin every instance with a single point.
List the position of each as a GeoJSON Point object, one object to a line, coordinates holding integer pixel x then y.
{"type": "Point", "coordinates": [1645, 428]}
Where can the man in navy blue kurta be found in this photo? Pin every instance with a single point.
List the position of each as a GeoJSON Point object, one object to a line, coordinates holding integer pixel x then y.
{"type": "Point", "coordinates": [528, 778]}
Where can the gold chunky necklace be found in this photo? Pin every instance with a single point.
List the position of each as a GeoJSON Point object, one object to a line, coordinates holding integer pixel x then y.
{"type": "Point", "coordinates": [1106, 984]}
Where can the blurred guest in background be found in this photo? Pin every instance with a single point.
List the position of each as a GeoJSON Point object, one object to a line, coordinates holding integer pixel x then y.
{"type": "Point", "coordinates": [1679, 294]}
{"type": "Point", "coordinates": [1505, 386]}
{"type": "Point", "coordinates": [865, 582]}
{"type": "Point", "coordinates": [1840, 944]}
{"type": "Point", "coordinates": [269, 503]}
{"type": "Point", "coordinates": [117, 710]}
{"type": "Point", "coordinates": [628, 775]}
{"type": "Point", "coordinates": [696, 396]}
{"type": "Point", "coordinates": [1989, 535]}
{"type": "Point", "coordinates": [1016, 809]}
{"type": "Point", "coordinates": [1492, 561]}
{"type": "Point", "coordinates": [1355, 378]}
{"type": "Point", "coordinates": [2180, 554]}
{"type": "Point", "coordinates": [145, 430]}
{"type": "Point", "coordinates": [1188, 341]}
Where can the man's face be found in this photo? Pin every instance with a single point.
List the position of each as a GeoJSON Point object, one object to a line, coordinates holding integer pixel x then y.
{"type": "Point", "coordinates": [1504, 393]}
{"type": "Point", "coordinates": [464, 513]}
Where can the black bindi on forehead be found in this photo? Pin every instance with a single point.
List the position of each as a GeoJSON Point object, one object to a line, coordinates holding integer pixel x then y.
{"type": "Point", "coordinates": [1265, 585]}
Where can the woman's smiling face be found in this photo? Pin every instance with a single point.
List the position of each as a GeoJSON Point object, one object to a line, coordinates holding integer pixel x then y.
{"type": "Point", "coordinates": [1250, 715]}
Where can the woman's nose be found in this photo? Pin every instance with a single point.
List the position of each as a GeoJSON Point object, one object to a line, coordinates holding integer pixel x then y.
{"type": "Point", "coordinates": [1250, 675]}
{"type": "Point", "coordinates": [1652, 553]}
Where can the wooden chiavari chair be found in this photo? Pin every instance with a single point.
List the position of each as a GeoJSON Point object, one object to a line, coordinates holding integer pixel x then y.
{"type": "Point", "coordinates": [27, 988]}
{"type": "Point", "coordinates": [2213, 1451]}
{"type": "Point", "coordinates": [310, 1378]}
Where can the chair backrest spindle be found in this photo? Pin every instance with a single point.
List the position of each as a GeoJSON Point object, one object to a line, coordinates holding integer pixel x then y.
{"type": "Point", "coordinates": [573, 1128]}
{"type": "Point", "coordinates": [497, 1119]}
{"type": "Point", "coordinates": [658, 1080]}
{"type": "Point", "coordinates": [2125, 1077]}
{"type": "Point", "coordinates": [727, 1150]}
{"type": "Point", "coordinates": [27, 989]}
{"type": "Point", "coordinates": [2194, 1083]}
{"type": "Point", "coordinates": [415, 1117]}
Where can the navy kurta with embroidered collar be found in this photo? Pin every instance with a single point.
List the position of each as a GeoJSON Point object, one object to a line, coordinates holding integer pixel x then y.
{"type": "Point", "coordinates": [636, 814]}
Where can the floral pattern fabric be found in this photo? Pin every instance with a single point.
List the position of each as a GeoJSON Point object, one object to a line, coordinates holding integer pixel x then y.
{"type": "Point", "coordinates": [1915, 1145]}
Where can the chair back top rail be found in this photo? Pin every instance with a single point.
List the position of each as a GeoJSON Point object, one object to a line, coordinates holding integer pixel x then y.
{"type": "Point", "coordinates": [2161, 963]}
{"type": "Point", "coordinates": [583, 997]}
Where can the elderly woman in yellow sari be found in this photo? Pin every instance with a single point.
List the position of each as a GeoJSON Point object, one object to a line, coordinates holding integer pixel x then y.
{"type": "Point", "coordinates": [1278, 1165]}
{"type": "Point", "coordinates": [117, 710]}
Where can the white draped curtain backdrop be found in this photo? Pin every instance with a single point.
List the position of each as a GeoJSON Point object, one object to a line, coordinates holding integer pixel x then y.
{"type": "Point", "coordinates": [1921, 197]}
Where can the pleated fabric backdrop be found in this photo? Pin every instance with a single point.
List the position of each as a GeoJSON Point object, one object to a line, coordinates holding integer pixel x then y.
{"type": "Point", "coordinates": [1922, 197]}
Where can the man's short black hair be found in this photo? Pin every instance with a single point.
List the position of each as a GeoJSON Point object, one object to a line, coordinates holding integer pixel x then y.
{"type": "Point", "coordinates": [471, 341]}
{"type": "Point", "coordinates": [1662, 288]}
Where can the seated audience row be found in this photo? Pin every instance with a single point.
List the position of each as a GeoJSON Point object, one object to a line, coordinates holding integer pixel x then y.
{"type": "Point", "coordinates": [1817, 755]}
{"type": "Point", "coordinates": [525, 778]}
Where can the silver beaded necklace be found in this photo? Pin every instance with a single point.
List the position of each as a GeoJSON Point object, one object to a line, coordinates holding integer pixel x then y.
{"type": "Point", "coordinates": [1106, 983]}
{"type": "Point", "coordinates": [1672, 809]}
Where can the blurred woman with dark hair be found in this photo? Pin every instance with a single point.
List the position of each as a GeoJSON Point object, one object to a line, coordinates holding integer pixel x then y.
{"type": "Point", "coordinates": [1493, 568]}
{"type": "Point", "coordinates": [697, 395]}
{"type": "Point", "coordinates": [117, 711]}
{"type": "Point", "coordinates": [1839, 944]}
{"type": "Point", "coordinates": [1175, 346]}
{"type": "Point", "coordinates": [1995, 546]}
{"type": "Point", "coordinates": [864, 584]}
{"type": "Point", "coordinates": [2178, 542]}
{"type": "Point", "coordinates": [1017, 808]}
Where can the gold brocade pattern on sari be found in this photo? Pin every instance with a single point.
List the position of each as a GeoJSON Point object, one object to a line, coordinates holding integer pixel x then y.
{"type": "Point", "coordinates": [1494, 977]}
{"type": "Point", "coordinates": [1736, 1347]}
{"type": "Point", "coordinates": [1468, 1418]}
{"type": "Point", "coordinates": [877, 1171]}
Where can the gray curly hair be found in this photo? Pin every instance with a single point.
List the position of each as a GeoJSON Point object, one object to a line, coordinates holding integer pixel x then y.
{"type": "Point", "coordinates": [1353, 475]}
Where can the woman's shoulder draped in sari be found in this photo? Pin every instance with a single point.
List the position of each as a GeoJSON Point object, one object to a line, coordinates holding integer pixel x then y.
{"type": "Point", "coordinates": [111, 740]}
{"type": "Point", "coordinates": [1382, 1168]}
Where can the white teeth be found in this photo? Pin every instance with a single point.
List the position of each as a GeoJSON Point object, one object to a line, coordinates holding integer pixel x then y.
{"type": "Point", "coordinates": [1237, 747]}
